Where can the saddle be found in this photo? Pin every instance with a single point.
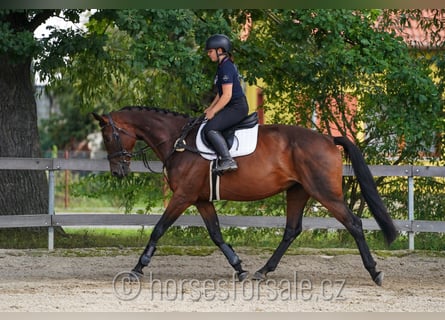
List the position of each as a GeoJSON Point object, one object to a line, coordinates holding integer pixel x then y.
{"type": "Point", "coordinates": [229, 134]}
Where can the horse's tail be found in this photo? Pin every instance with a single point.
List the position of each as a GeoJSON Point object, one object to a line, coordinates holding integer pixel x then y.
{"type": "Point", "coordinates": [368, 188]}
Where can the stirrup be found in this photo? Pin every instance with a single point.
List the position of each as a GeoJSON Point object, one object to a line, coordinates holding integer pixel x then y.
{"type": "Point", "coordinates": [225, 165]}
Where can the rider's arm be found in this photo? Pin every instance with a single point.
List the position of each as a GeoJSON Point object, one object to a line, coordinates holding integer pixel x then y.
{"type": "Point", "coordinates": [220, 101]}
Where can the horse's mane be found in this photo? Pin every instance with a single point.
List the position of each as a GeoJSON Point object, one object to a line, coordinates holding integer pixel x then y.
{"type": "Point", "coordinates": [164, 111]}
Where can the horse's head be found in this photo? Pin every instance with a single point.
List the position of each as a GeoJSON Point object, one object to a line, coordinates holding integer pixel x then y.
{"type": "Point", "coordinates": [119, 142]}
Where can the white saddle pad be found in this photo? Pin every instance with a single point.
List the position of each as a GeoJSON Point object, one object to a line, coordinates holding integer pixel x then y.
{"type": "Point", "coordinates": [244, 143]}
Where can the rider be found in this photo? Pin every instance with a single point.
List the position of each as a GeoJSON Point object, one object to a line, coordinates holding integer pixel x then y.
{"type": "Point", "coordinates": [229, 105]}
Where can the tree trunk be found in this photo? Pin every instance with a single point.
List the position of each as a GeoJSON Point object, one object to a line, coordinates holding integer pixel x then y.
{"type": "Point", "coordinates": [21, 192]}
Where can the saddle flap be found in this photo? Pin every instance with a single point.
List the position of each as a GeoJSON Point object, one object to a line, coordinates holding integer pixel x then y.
{"type": "Point", "coordinates": [244, 142]}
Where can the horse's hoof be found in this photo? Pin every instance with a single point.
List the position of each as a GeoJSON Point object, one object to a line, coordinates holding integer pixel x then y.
{"type": "Point", "coordinates": [242, 275]}
{"type": "Point", "coordinates": [379, 278]}
{"type": "Point", "coordinates": [136, 275]}
{"type": "Point", "coordinates": [259, 276]}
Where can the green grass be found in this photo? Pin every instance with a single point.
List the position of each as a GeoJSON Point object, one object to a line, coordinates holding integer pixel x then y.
{"type": "Point", "coordinates": [86, 204]}
{"type": "Point", "coordinates": [263, 238]}
{"type": "Point", "coordinates": [196, 241]}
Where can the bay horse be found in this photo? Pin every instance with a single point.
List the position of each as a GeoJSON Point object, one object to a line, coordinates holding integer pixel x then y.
{"type": "Point", "coordinates": [297, 160]}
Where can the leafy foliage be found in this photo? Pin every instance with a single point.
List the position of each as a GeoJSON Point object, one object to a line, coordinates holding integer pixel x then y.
{"type": "Point", "coordinates": [319, 59]}
{"type": "Point", "coordinates": [143, 61]}
{"type": "Point", "coordinates": [123, 193]}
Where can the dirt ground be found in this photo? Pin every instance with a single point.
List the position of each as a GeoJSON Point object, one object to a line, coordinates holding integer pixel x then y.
{"type": "Point", "coordinates": [36, 280]}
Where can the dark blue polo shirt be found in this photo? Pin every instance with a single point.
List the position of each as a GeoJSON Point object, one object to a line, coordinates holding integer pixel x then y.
{"type": "Point", "coordinates": [228, 73]}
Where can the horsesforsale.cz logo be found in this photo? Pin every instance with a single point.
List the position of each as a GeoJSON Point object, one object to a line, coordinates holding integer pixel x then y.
{"type": "Point", "coordinates": [126, 285]}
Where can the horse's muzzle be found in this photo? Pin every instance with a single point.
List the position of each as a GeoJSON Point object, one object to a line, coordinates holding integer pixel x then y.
{"type": "Point", "coordinates": [120, 169]}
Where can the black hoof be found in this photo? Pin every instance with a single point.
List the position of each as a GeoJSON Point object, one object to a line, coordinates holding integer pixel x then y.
{"type": "Point", "coordinates": [259, 276]}
{"type": "Point", "coordinates": [136, 274]}
{"type": "Point", "coordinates": [379, 278]}
{"type": "Point", "coordinates": [242, 275]}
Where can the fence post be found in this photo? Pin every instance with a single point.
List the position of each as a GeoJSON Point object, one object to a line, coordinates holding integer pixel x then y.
{"type": "Point", "coordinates": [411, 210]}
{"type": "Point", "coordinates": [51, 196]}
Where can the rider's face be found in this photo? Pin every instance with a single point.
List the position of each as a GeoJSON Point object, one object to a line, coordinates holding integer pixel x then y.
{"type": "Point", "coordinates": [212, 55]}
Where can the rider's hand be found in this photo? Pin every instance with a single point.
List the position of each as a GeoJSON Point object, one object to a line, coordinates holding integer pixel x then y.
{"type": "Point", "coordinates": [210, 113]}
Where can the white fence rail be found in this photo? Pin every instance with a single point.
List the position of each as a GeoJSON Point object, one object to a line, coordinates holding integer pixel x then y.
{"type": "Point", "coordinates": [51, 220]}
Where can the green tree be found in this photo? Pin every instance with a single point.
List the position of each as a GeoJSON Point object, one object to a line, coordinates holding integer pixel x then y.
{"type": "Point", "coordinates": [310, 58]}
{"type": "Point", "coordinates": [26, 192]}
{"type": "Point", "coordinates": [151, 57]}
{"type": "Point", "coordinates": [314, 56]}
{"type": "Point", "coordinates": [22, 192]}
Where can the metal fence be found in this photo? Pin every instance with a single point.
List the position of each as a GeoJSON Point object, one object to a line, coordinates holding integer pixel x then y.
{"type": "Point", "coordinates": [51, 219]}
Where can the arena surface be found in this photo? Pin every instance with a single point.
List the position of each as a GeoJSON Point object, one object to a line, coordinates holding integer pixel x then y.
{"type": "Point", "coordinates": [80, 280]}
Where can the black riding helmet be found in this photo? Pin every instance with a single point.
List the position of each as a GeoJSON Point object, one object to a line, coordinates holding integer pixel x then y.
{"type": "Point", "coordinates": [219, 41]}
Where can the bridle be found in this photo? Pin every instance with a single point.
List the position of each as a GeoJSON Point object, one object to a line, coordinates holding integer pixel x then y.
{"type": "Point", "coordinates": [116, 137]}
{"type": "Point", "coordinates": [178, 146]}
{"type": "Point", "coordinates": [123, 152]}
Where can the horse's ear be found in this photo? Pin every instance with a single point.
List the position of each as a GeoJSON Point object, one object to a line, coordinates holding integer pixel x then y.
{"type": "Point", "coordinates": [99, 118]}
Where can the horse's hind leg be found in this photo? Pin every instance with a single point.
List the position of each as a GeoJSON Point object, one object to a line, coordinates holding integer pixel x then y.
{"type": "Point", "coordinates": [296, 200]}
{"type": "Point", "coordinates": [354, 225]}
{"type": "Point", "coordinates": [208, 214]}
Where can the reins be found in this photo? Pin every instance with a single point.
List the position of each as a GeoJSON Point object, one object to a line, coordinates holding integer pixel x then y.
{"type": "Point", "coordinates": [180, 145]}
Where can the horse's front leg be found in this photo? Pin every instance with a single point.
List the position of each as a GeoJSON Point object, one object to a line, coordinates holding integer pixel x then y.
{"type": "Point", "coordinates": [208, 214]}
{"type": "Point", "coordinates": [175, 208]}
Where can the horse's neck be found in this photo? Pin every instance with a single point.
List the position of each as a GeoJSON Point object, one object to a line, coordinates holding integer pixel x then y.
{"type": "Point", "coordinates": [160, 133]}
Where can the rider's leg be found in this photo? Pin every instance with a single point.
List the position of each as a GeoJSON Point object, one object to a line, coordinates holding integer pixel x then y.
{"type": "Point", "coordinates": [226, 163]}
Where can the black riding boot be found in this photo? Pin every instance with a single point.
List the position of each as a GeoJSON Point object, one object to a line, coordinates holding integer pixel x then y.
{"type": "Point", "coordinates": [226, 163]}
